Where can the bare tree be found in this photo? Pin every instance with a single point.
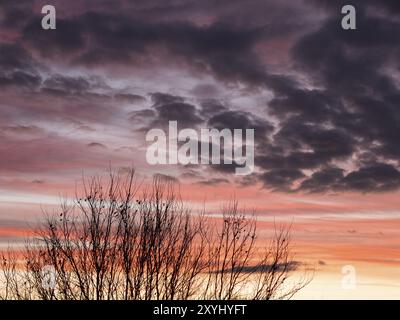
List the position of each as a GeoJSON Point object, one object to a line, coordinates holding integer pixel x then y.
{"type": "Point", "coordinates": [242, 269]}
{"type": "Point", "coordinates": [124, 241]}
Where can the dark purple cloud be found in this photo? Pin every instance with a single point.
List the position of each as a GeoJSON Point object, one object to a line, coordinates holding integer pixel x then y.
{"type": "Point", "coordinates": [323, 101]}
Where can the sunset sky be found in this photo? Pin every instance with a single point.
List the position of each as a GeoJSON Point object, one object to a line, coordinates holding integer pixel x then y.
{"type": "Point", "coordinates": [324, 103]}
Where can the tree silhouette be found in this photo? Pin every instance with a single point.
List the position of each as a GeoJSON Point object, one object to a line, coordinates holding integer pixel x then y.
{"type": "Point", "coordinates": [124, 241]}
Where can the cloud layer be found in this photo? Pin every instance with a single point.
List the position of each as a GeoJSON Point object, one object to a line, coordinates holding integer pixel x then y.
{"type": "Point", "coordinates": [323, 101]}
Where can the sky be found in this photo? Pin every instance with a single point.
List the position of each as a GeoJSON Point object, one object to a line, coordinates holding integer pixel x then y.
{"type": "Point", "coordinates": [323, 101]}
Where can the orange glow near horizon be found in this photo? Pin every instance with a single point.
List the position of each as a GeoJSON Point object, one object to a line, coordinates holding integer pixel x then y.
{"type": "Point", "coordinates": [328, 231]}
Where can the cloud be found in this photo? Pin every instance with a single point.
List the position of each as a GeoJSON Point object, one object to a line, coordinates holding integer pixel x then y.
{"type": "Point", "coordinates": [184, 113]}
{"type": "Point", "coordinates": [212, 107]}
{"type": "Point", "coordinates": [166, 108]}
{"type": "Point", "coordinates": [38, 181]}
{"type": "Point", "coordinates": [17, 68]}
{"type": "Point", "coordinates": [350, 112]}
{"type": "Point", "coordinates": [166, 178]}
{"type": "Point", "coordinates": [306, 146]}
{"type": "Point", "coordinates": [323, 180]}
{"type": "Point", "coordinates": [281, 179]}
{"type": "Point", "coordinates": [213, 182]}
{"type": "Point", "coordinates": [225, 50]}
{"type": "Point", "coordinates": [323, 102]}
{"type": "Point", "coordinates": [290, 266]}
{"type": "Point", "coordinates": [240, 120]}
{"type": "Point", "coordinates": [22, 130]}
{"type": "Point", "coordinates": [52, 153]}
{"type": "Point", "coordinates": [130, 98]}
{"type": "Point", "coordinates": [377, 177]}
{"type": "Point", "coordinates": [96, 145]}
{"type": "Point", "coordinates": [62, 85]}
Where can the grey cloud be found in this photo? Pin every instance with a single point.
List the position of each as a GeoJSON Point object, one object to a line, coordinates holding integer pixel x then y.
{"type": "Point", "coordinates": [377, 177]}
{"type": "Point", "coordinates": [213, 182]}
{"type": "Point", "coordinates": [335, 100]}
{"type": "Point", "coordinates": [290, 266]}
{"type": "Point", "coordinates": [281, 179]}
{"type": "Point", "coordinates": [96, 145]}
{"type": "Point", "coordinates": [322, 180]}
{"type": "Point", "coordinates": [130, 98]}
